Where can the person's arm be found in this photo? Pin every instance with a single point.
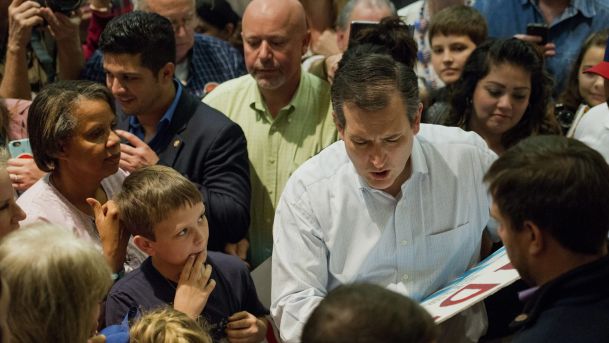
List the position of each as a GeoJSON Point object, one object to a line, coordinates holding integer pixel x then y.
{"type": "Point", "coordinates": [70, 59]}
{"type": "Point", "coordinates": [114, 240]}
{"type": "Point", "coordinates": [22, 17]}
{"type": "Point", "coordinates": [226, 189]}
{"type": "Point", "coordinates": [101, 13]}
{"type": "Point", "coordinates": [300, 270]}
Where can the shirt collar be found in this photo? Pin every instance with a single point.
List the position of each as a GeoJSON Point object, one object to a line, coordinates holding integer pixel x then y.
{"type": "Point", "coordinates": [586, 7]}
{"type": "Point", "coordinates": [258, 104]}
{"type": "Point", "coordinates": [167, 116]}
{"type": "Point", "coordinates": [417, 160]}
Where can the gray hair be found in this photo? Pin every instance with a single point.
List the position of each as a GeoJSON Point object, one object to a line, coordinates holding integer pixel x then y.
{"type": "Point", "coordinates": [342, 21]}
{"type": "Point", "coordinates": [56, 280]}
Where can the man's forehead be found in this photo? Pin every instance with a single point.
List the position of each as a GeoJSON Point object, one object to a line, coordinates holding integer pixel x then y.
{"type": "Point", "coordinates": [122, 61]}
{"type": "Point", "coordinates": [271, 18]}
{"type": "Point", "coordinates": [169, 8]}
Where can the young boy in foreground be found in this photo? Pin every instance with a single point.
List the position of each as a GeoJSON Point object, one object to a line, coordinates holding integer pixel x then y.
{"type": "Point", "coordinates": [165, 214]}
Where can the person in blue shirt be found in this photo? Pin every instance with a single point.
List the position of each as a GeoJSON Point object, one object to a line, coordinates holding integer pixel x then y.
{"type": "Point", "coordinates": [162, 123]}
{"type": "Point", "coordinates": [569, 21]}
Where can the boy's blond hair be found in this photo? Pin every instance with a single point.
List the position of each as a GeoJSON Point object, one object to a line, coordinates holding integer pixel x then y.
{"type": "Point", "coordinates": [167, 325]}
{"type": "Point", "coordinates": [149, 194]}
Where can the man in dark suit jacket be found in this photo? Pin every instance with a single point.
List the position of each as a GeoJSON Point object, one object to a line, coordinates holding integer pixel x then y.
{"type": "Point", "coordinates": [164, 124]}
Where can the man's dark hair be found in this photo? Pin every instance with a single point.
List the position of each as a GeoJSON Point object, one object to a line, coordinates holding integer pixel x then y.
{"type": "Point", "coordinates": [145, 33]}
{"type": "Point", "coordinates": [366, 77]}
{"type": "Point", "coordinates": [367, 313]}
{"type": "Point", "coordinates": [558, 183]}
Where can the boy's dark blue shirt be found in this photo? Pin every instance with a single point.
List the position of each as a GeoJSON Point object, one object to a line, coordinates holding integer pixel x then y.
{"type": "Point", "coordinates": [147, 289]}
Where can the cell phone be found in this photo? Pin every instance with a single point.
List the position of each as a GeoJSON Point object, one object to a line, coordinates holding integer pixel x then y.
{"type": "Point", "coordinates": [357, 26]}
{"type": "Point", "coordinates": [539, 29]}
{"type": "Point", "coordinates": [20, 148]}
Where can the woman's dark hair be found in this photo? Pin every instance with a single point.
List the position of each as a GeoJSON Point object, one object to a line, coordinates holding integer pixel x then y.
{"type": "Point", "coordinates": [570, 97]}
{"type": "Point", "coordinates": [52, 117]}
{"type": "Point", "coordinates": [393, 34]}
{"type": "Point", "coordinates": [538, 117]}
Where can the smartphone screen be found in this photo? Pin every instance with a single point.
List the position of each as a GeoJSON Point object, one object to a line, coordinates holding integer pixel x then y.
{"type": "Point", "coordinates": [20, 148]}
{"type": "Point", "coordinates": [357, 26]}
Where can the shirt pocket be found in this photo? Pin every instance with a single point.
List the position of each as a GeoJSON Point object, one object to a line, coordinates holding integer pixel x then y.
{"type": "Point", "coordinates": [451, 252]}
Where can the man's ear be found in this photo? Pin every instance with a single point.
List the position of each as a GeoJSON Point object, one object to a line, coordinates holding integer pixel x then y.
{"type": "Point", "coordinates": [144, 244]}
{"type": "Point", "coordinates": [166, 72]}
{"type": "Point", "coordinates": [305, 43]}
{"type": "Point", "coordinates": [229, 29]}
{"type": "Point", "coordinates": [339, 127]}
{"type": "Point", "coordinates": [341, 39]}
{"type": "Point", "coordinates": [416, 122]}
{"type": "Point", "coordinates": [535, 238]}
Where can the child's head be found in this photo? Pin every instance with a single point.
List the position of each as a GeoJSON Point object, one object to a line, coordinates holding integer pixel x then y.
{"type": "Point", "coordinates": [164, 212]}
{"type": "Point", "coordinates": [167, 325]}
{"type": "Point", "coordinates": [56, 282]}
{"type": "Point", "coordinates": [585, 87]}
{"type": "Point", "coordinates": [602, 69]}
{"type": "Point", "coordinates": [453, 34]}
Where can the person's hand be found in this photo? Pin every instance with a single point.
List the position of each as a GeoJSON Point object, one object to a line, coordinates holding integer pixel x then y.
{"type": "Point", "coordinates": [99, 4]}
{"type": "Point", "coordinates": [548, 50]}
{"type": "Point", "coordinates": [326, 44]}
{"type": "Point", "coordinates": [22, 17]}
{"type": "Point", "coordinates": [244, 327]}
{"type": "Point", "coordinates": [136, 155]}
{"type": "Point", "coordinates": [332, 65]}
{"type": "Point", "coordinates": [114, 240]}
{"type": "Point", "coordinates": [61, 27]}
{"type": "Point", "coordinates": [238, 249]}
{"type": "Point", "coordinates": [194, 287]}
{"type": "Point", "coordinates": [23, 173]}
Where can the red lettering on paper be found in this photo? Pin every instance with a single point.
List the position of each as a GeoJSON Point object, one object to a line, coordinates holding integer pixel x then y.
{"type": "Point", "coordinates": [506, 267]}
{"type": "Point", "coordinates": [478, 288]}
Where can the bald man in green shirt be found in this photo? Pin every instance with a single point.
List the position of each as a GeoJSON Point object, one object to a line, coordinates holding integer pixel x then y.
{"type": "Point", "coordinates": [285, 113]}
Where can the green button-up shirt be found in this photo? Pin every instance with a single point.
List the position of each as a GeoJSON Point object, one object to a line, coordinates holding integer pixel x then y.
{"type": "Point", "coordinates": [276, 146]}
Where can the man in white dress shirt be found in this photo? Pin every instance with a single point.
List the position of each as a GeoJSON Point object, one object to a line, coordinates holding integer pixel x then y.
{"type": "Point", "coordinates": [395, 202]}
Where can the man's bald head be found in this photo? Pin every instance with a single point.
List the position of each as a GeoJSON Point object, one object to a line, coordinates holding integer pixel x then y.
{"type": "Point", "coordinates": [275, 37]}
{"type": "Point", "coordinates": [290, 12]}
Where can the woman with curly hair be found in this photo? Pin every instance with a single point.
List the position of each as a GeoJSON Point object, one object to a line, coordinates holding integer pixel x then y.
{"type": "Point", "coordinates": [503, 94]}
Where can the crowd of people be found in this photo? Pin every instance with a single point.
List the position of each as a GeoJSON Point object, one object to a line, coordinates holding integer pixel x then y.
{"type": "Point", "coordinates": [148, 168]}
